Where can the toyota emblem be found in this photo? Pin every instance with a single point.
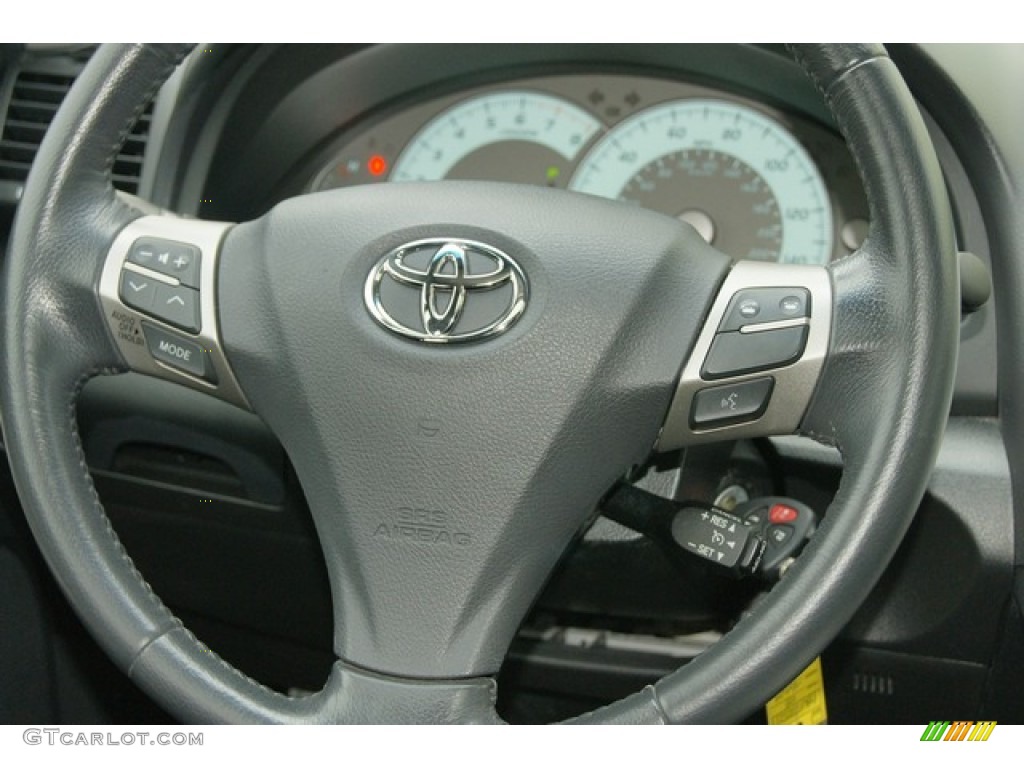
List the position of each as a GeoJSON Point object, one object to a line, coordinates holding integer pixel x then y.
{"type": "Point", "coordinates": [446, 291]}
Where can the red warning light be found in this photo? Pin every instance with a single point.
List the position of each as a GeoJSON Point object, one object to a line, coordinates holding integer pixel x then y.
{"type": "Point", "coordinates": [377, 165]}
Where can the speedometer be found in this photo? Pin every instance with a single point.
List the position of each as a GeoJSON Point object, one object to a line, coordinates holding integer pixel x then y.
{"type": "Point", "coordinates": [518, 136]}
{"type": "Point", "coordinates": [740, 178]}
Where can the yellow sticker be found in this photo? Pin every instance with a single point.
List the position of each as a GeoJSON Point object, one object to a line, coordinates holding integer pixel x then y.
{"type": "Point", "coordinates": [802, 702]}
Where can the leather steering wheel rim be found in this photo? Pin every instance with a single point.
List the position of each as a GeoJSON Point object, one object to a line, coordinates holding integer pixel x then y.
{"type": "Point", "coordinates": [882, 399]}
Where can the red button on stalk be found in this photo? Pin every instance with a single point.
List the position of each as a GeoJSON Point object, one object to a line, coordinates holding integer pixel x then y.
{"type": "Point", "coordinates": [780, 513]}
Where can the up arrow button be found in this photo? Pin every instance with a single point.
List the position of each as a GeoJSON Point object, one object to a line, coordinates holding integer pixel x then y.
{"type": "Point", "coordinates": [178, 306]}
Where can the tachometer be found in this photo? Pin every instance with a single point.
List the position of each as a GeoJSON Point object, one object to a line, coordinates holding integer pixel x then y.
{"type": "Point", "coordinates": [740, 178]}
{"type": "Point", "coordinates": [518, 136]}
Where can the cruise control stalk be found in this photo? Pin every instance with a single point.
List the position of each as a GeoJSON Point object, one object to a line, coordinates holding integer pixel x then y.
{"type": "Point", "coordinates": [759, 538]}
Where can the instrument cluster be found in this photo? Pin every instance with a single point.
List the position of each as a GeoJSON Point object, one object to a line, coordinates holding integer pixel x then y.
{"type": "Point", "coordinates": [755, 181]}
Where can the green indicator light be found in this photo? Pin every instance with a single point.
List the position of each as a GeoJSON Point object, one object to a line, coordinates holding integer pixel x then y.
{"type": "Point", "coordinates": [553, 172]}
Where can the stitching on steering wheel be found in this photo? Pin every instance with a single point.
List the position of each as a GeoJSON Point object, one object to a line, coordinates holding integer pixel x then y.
{"type": "Point", "coordinates": [656, 702]}
{"type": "Point", "coordinates": [173, 622]}
{"type": "Point", "coordinates": [76, 390]}
{"type": "Point", "coordinates": [170, 621]}
{"type": "Point", "coordinates": [159, 79]}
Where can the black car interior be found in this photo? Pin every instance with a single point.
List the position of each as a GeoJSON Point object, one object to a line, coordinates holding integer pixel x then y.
{"type": "Point", "coordinates": [908, 445]}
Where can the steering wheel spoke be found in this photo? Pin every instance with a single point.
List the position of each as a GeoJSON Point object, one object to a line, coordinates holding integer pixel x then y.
{"type": "Point", "coordinates": [757, 359]}
{"type": "Point", "coordinates": [213, 690]}
{"type": "Point", "coordinates": [354, 695]}
{"type": "Point", "coordinates": [158, 290]}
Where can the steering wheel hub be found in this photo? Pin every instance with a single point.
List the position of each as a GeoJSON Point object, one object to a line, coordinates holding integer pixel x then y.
{"type": "Point", "coordinates": [529, 428]}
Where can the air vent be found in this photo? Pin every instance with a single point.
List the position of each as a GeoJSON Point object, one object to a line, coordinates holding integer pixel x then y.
{"type": "Point", "coordinates": [128, 164]}
{"type": "Point", "coordinates": [34, 102]}
{"type": "Point", "coordinates": [870, 682]}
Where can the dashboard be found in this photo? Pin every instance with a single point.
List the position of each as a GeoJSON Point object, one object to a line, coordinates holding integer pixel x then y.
{"type": "Point", "coordinates": [755, 181]}
{"type": "Point", "coordinates": [733, 139]}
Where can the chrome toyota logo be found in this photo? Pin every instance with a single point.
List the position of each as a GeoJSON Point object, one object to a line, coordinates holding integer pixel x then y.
{"type": "Point", "coordinates": [443, 291]}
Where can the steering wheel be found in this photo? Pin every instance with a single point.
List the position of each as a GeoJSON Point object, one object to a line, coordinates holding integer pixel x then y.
{"type": "Point", "coordinates": [458, 372]}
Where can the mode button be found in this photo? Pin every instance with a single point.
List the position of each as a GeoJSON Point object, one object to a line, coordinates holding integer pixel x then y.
{"type": "Point", "coordinates": [178, 353]}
